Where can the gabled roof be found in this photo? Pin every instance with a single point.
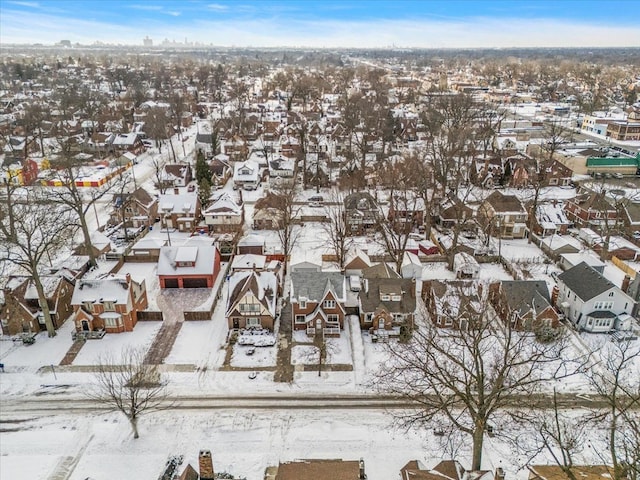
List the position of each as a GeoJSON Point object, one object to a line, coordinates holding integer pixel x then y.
{"type": "Point", "coordinates": [585, 282]}
{"type": "Point", "coordinates": [380, 270]}
{"type": "Point", "coordinates": [319, 470]}
{"type": "Point", "coordinates": [113, 288]}
{"type": "Point", "coordinates": [524, 295]}
{"type": "Point", "coordinates": [313, 285]}
{"type": "Point", "coordinates": [263, 286]}
{"type": "Point", "coordinates": [370, 295]}
{"type": "Point", "coordinates": [203, 260]}
{"type": "Point", "coordinates": [505, 203]}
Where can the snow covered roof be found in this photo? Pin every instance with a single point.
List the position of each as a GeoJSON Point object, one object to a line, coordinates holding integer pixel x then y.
{"type": "Point", "coordinates": [182, 203]}
{"type": "Point", "coordinates": [199, 259]}
{"type": "Point", "coordinates": [263, 285]}
{"type": "Point", "coordinates": [113, 288]}
{"type": "Point", "coordinates": [248, 261]}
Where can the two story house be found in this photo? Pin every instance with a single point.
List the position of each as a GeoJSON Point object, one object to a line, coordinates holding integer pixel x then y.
{"type": "Point", "coordinates": [180, 211]}
{"type": "Point", "coordinates": [110, 304]}
{"type": "Point", "coordinates": [387, 305]}
{"type": "Point", "coordinates": [134, 209]}
{"type": "Point", "coordinates": [252, 301]}
{"type": "Point", "coordinates": [21, 312]}
{"type": "Point", "coordinates": [225, 214]}
{"type": "Point", "coordinates": [524, 304]}
{"type": "Point", "coordinates": [591, 302]}
{"type": "Point", "coordinates": [457, 304]}
{"type": "Point", "coordinates": [591, 209]}
{"type": "Point", "coordinates": [317, 302]}
{"type": "Point", "coordinates": [361, 213]}
{"type": "Point", "coordinates": [176, 175]}
{"type": "Point", "coordinates": [503, 216]}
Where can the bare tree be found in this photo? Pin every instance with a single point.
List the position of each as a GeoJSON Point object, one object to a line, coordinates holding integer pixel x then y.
{"type": "Point", "coordinates": [39, 230]}
{"type": "Point", "coordinates": [466, 376]}
{"type": "Point", "coordinates": [615, 379]}
{"type": "Point", "coordinates": [337, 230]}
{"type": "Point", "coordinates": [288, 231]}
{"type": "Point", "coordinates": [129, 385]}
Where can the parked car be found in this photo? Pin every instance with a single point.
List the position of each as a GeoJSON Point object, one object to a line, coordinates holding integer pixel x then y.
{"type": "Point", "coordinates": [316, 201]}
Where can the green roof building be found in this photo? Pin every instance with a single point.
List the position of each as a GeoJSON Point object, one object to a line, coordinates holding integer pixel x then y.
{"type": "Point", "coordinates": [623, 165]}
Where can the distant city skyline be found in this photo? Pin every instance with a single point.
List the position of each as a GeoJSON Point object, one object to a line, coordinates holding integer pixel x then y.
{"type": "Point", "coordinates": [330, 23]}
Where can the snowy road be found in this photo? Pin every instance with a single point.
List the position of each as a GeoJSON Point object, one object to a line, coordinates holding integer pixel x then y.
{"type": "Point", "coordinates": [53, 402]}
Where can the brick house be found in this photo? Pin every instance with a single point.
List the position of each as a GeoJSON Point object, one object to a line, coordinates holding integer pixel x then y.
{"type": "Point", "coordinates": [176, 175]}
{"type": "Point", "coordinates": [406, 211]}
{"type": "Point", "coordinates": [181, 211]}
{"type": "Point", "coordinates": [503, 215]}
{"type": "Point", "coordinates": [252, 301]}
{"type": "Point", "coordinates": [110, 304]}
{"type": "Point", "coordinates": [135, 209]}
{"type": "Point", "coordinates": [454, 303]}
{"type": "Point", "coordinates": [387, 305]}
{"type": "Point", "coordinates": [21, 310]}
{"type": "Point", "coordinates": [524, 304]}
{"type": "Point", "coordinates": [361, 213]}
{"type": "Point", "coordinates": [317, 302]}
{"type": "Point", "coordinates": [590, 210]}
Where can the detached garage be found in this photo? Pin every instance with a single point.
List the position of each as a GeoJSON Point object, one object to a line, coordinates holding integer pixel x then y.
{"type": "Point", "coordinates": [189, 266]}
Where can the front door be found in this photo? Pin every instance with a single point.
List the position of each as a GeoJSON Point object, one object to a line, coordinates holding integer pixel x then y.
{"type": "Point", "coordinates": [236, 324]}
{"type": "Point", "coordinates": [85, 326]}
{"type": "Point", "coordinates": [381, 323]}
{"type": "Point", "coordinates": [318, 326]}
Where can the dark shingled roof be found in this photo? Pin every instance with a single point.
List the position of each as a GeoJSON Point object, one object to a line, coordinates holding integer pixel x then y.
{"type": "Point", "coordinates": [505, 203]}
{"type": "Point", "coordinates": [370, 298]}
{"type": "Point", "coordinates": [312, 285]}
{"type": "Point", "coordinates": [585, 282]}
{"type": "Point", "coordinates": [522, 295]}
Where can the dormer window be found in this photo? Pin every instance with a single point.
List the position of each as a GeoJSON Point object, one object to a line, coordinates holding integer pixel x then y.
{"type": "Point", "coordinates": [385, 298]}
{"type": "Point", "coordinates": [88, 305]}
{"type": "Point", "coordinates": [329, 304]}
{"type": "Point", "coordinates": [303, 302]}
{"type": "Point", "coordinates": [396, 298]}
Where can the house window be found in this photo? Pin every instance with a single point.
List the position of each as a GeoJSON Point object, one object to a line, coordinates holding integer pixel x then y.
{"type": "Point", "coordinates": [333, 319]}
{"type": "Point", "coordinates": [249, 307]}
{"type": "Point", "coordinates": [253, 322]}
{"type": "Point", "coordinates": [396, 298]}
{"type": "Point", "coordinates": [109, 306]}
{"type": "Point", "coordinates": [112, 322]}
{"type": "Point", "coordinates": [301, 319]}
{"type": "Point", "coordinates": [88, 306]}
{"type": "Point", "coordinates": [448, 322]}
{"type": "Point", "coordinates": [611, 294]}
{"type": "Point", "coordinates": [303, 303]}
{"type": "Point", "coordinates": [398, 317]}
{"type": "Point", "coordinates": [329, 304]}
{"type": "Point", "coordinates": [368, 318]}
{"type": "Point", "coordinates": [385, 298]}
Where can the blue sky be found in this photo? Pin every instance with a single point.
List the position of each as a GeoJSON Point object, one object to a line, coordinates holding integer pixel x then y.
{"type": "Point", "coordinates": [330, 23]}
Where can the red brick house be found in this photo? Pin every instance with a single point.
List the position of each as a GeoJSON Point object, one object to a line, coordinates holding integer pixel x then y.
{"type": "Point", "coordinates": [318, 302]}
{"type": "Point", "coordinates": [195, 265]}
{"type": "Point", "coordinates": [454, 303]}
{"type": "Point", "coordinates": [135, 209]}
{"type": "Point", "coordinates": [110, 304]}
{"type": "Point", "coordinates": [21, 312]}
{"type": "Point", "coordinates": [524, 304]}
{"type": "Point", "coordinates": [252, 300]}
{"type": "Point", "coordinates": [590, 210]}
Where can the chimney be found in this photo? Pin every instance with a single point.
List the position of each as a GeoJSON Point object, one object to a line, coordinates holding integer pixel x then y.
{"type": "Point", "coordinates": [499, 474]}
{"type": "Point", "coordinates": [206, 465]}
{"type": "Point", "coordinates": [176, 191]}
{"type": "Point", "coordinates": [554, 295]}
{"type": "Point", "coordinates": [128, 277]}
{"type": "Point", "coordinates": [625, 283]}
{"type": "Point", "coordinates": [362, 475]}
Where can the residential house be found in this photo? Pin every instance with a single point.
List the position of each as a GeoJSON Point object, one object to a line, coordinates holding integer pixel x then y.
{"type": "Point", "coordinates": [361, 213]}
{"type": "Point", "coordinates": [100, 244]}
{"type": "Point", "coordinates": [524, 304]}
{"type": "Point", "coordinates": [521, 171]}
{"type": "Point", "coordinates": [445, 470]}
{"type": "Point", "coordinates": [21, 311]}
{"type": "Point", "coordinates": [109, 304]}
{"type": "Point", "coordinates": [555, 174]}
{"type": "Point", "coordinates": [591, 209]}
{"type": "Point", "coordinates": [387, 305]}
{"type": "Point", "coordinates": [618, 247]}
{"type": "Point", "coordinates": [281, 171]}
{"type": "Point", "coordinates": [181, 211]}
{"type": "Point", "coordinates": [193, 265]}
{"type": "Point", "coordinates": [176, 175]}
{"type": "Point", "coordinates": [454, 303]}
{"type": "Point", "coordinates": [454, 211]}
{"type": "Point", "coordinates": [267, 212]}
{"type": "Point", "coordinates": [127, 142]}
{"type": "Point", "coordinates": [246, 175]}
{"type": "Point", "coordinates": [225, 213]}
{"type": "Point", "coordinates": [583, 472]}
{"type": "Point", "coordinates": [334, 469]}
{"type": "Point", "coordinates": [406, 211]}
{"type": "Point", "coordinates": [317, 301]}
{"type": "Point", "coordinates": [503, 216]}
{"type": "Point", "coordinates": [591, 302]}
{"type": "Point", "coordinates": [134, 209]}
{"type": "Point", "coordinates": [551, 218]}
{"type": "Point", "coordinates": [487, 172]}
{"type": "Point", "coordinates": [252, 301]}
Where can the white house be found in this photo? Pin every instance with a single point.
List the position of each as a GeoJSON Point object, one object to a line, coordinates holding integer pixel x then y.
{"type": "Point", "coordinates": [591, 302]}
{"type": "Point", "coordinates": [224, 214]}
{"type": "Point", "coordinates": [246, 175]}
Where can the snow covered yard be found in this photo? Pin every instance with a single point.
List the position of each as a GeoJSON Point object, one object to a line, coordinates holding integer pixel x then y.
{"type": "Point", "coordinates": [261, 356]}
{"type": "Point", "coordinates": [114, 343]}
{"type": "Point", "coordinates": [338, 351]}
{"type": "Point", "coordinates": [521, 250]}
{"type": "Point", "coordinates": [194, 343]}
{"type": "Point", "coordinates": [45, 351]}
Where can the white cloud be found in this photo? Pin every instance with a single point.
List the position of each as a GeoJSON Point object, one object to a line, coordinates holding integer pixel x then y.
{"type": "Point", "coordinates": [26, 4]}
{"type": "Point", "coordinates": [218, 7]}
{"type": "Point", "coordinates": [173, 13]}
{"type": "Point", "coordinates": [151, 8]}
